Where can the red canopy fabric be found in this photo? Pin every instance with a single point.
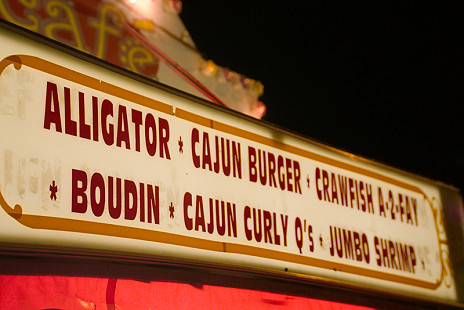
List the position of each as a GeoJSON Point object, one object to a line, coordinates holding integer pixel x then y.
{"type": "Point", "coordinates": [64, 292]}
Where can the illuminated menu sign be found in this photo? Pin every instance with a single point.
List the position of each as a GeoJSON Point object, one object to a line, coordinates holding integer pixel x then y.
{"type": "Point", "coordinates": [93, 160]}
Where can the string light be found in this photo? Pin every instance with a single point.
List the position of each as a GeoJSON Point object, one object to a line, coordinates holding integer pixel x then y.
{"type": "Point", "coordinates": [258, 88]}
{"type": "Point", "coordinates": [208, 67]}
{"type": "Point", "coordinates": [176, 6]}
{"type": "Point", "coordinates": [261, 109]}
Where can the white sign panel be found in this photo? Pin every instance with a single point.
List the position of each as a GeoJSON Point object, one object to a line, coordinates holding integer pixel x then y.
{"type": "Point", "coordinates": [106, 163]}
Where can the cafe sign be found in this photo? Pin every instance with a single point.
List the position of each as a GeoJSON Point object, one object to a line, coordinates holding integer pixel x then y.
{"type": "Point", "coordinates": [93, 160]}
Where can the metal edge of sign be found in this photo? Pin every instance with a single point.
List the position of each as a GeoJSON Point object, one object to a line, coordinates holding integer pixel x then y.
{"type": "Point", "coordinates": [63, 224]}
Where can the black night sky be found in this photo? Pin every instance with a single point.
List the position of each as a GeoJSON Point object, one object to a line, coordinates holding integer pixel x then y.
{"type": "Point", "coordinates": [383, 80]}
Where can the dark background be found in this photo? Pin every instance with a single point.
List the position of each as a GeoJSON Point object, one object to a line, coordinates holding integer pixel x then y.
{"type": "Point", "coordinates": [383, 80]}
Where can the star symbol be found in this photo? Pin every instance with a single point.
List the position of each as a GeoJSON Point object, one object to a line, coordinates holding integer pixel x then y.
{"type": "Point", "coordinates": [181, 144]}
{"type": "Point", "coordinates": [171, 211]}
{"type": "Point", "coordinates": [53, 190]}
{"type": "Point", "coordinates": [308, 180]}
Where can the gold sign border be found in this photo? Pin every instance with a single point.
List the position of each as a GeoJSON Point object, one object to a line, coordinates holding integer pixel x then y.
{"type": "Point", "coordinates": [81, 226]}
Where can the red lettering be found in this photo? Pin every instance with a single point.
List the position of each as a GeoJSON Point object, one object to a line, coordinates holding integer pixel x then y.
{"type": "Point", "coordinates": [297, 175]}
{"type": "Point", "coordinates": [252, 164]}
{"type": "Point", "coordinates": [237, 159]}
{"type": "Point", "coordinates": [123, 128]}
{"type": "Point", "coordinates": [70, 126]}
{"type": "Point", "coordinates": [133, 197]}
{"type": "Point", "coordinates": [97, 203]}
{"type": "Point", "coordinates": [258, 233]}
{"type": "Point", "coordinates": [199, 214]}
{"type": "Point", "coordinates": [370, 203]}
{"type": "Point", "coordinates": [284, 220]}
{"type": "Point", "coordinates": [353, 244]}
{"type": "Point", "coordinates": [394, 255]}
{"type": "Point", "coordinates": [153, 204]}
{"type": "Point", "coordinates": [246, 217]}
{"type": "Point", "coordinates": [130, 193]}
{"type": "Point", "coordinates": [334, 188]}
{"type": "Point", "coordinates": [272, 169]}
{"type": "Point", "coordinates": [114, 210]}
{"type": "Point", "coordinates": [137, 120]}
{"type": "Point", "coordinates": [107, 129]}
{"type": "Point", "coordinates": [220, 218]}
{"type": "Point", "coordinates": [357, 246]}
{"type": "Point", "coordinates": [343, 190]}
{"type": "Point", "coordinates": [288, 163]}
{"type": "Point", "coordinates": [217, 163]}
{"type": "Point", "coordinates": [95, 117]}
{"type": "Point", "coordinates": [142, 201]}
{"type": "Point", "coordinates": [412, 258]}
{"type": "Point", "coordinates": [84, 129]}
{"type": "Point", "coordinates": [280, 167]}
{"type": "Point", "coordinates": [362, 198]}
{"type": "Point", "coordinates": [164, 138]}
{"type": "Point", "coordinates": [351, 186]}
{"type": "Point", "coordinates": [262, 167]}
{"type": "Point", "coordinates": [188, 222]}
{"type": "Point", "coordinates": [325, 185]}
{"type": "Point", "coordinates": [113, 133]}
{"type": "Point", "coordinates": [225, 154]}
{"type": "Point", "coordinates": [318, 178]}
{"type": "Point", "coordinates": [365, 248]}
{"type": "Point", "coordinates": [231, 219]}
{"type": "Point", "coordinates": [267, 226]}
{"type": "Point", "coordinates": [206, 152]}
{"type": "Point", "coordinates": [150, 130]}
{"type": "Point", "coordinates": [195, 140]}
{"type": "Point", "coordinates": [216, 157]}
{"type": "Point", "coordinates": [52, 108]}
{"type": "Point", "coordinates": [78, 196]}
{"type": "Point", "coordinates": [276, 235]}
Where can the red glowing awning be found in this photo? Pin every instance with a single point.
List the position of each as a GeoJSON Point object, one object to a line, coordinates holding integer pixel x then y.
{"type": "Point", "coordinates": [65, 292]}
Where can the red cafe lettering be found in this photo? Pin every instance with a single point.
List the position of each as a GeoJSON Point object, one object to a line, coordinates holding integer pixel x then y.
{"type": "Point", "coordinates": [88, 26]}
